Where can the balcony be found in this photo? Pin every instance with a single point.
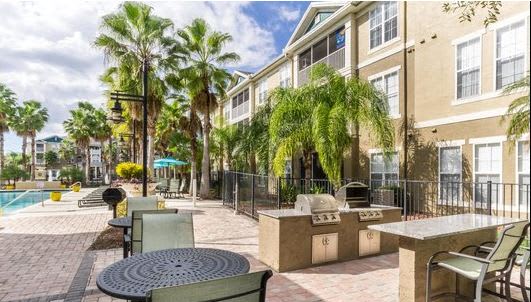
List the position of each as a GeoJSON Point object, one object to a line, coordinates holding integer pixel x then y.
{"type": "Point", "coordinates": [335, 60]}
{"type": "Point", "coordinates": [240, 110]}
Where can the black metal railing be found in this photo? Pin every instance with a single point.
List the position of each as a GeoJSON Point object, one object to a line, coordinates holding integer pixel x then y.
{"type": "Point", "coordinates": [249, 193]}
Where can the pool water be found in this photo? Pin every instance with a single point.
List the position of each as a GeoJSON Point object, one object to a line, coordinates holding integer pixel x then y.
{"type": "Point", "coordinates": [28, 199]}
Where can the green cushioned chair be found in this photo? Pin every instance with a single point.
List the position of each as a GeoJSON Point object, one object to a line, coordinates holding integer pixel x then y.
{"type": "Point", "coordinates": [136, 228]}
{"type": "Point", "coordinates": [497, 265]}
{"type": "Point", "coordinates": [167, 231]}
{"type": "Point", "coordinates": [174, 188]}
{"type": "Point", "coordinates": [242, 288]}
{"type": "Point", "coordinates": [141, 203]}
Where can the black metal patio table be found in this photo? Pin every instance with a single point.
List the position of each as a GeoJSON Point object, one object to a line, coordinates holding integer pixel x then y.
{"type": "Point", "coordinates": [132, 278]}
{"type": "Point", "coordinates": [124, 223]}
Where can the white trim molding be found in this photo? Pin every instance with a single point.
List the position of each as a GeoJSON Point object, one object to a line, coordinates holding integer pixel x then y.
{"type": "Point", "coordinates": [452, 143]}
{"type": "Point", "coordinates": [462, 118]}
{"type": "Point", "coordinates": [487, 140]}
{"type": "Point", "coordinates": [379, 150]}
{"type": "Point", "coordinates": [502, 23]}
{"type": "Point", "coordinates": [382, 73]}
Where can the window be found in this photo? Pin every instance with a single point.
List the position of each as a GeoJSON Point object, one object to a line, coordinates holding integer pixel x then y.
{"type": "Point", "coordinates": [285, 75]}
{"type": "Point", "coordinates": [510, 54]}
{"type": "Point", "coordinates": [262, 91]}
{"type": "Point", "coordinates": [468, 61]}
{"type": "Point", "coordinates": [383, 23]}
{"type": "Point", "coordinates": [319, 50]}
{"type": "Point", "coordinates": [240, 104]}
{"type": "Point", "coordinates": [226, 111]}
{"type": "Point", "coordinates": [39, 147]}
{"type": "Point", "coordinates": [305, 59]}
{"type": "Point", "coordinates": [487, 167]}
{"type": "Point", "coordinates": [384, 170]}
{"type": "Point", "coordinates": [523, 174]}
{"type": "Point", "coordinates": [450, 163]}
{"type": "Point", "coordinates": [336, 40]}
{"type": "Point", "coordinates": [388, 84]}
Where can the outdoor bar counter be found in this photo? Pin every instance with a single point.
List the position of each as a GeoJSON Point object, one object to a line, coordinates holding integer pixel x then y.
{"type": "Point", "coordinates": [288, 240]}
{"type": "Point", "coordinates": [420, 239]}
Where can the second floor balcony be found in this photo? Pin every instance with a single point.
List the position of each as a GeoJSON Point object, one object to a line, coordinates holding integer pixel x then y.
{"type": "Point", "coordinates": [335, 60]}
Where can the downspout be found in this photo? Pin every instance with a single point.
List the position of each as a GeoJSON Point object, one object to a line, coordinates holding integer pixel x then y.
{"type": "Point", "coordinates": [406, 126]}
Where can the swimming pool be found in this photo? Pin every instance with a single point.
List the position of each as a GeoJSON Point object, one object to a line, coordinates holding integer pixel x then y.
{"type": "Point", "coordinates": [28, 199]}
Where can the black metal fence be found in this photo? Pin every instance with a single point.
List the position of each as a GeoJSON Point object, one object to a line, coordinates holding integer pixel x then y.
{"type": "Point", "coordinates": [249, 193]}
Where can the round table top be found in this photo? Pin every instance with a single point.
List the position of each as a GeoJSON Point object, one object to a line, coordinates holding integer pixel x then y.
{"type": "Point", "coordinates": [121, 222]}
{"type": "Point", "coordinates": [132, 278]}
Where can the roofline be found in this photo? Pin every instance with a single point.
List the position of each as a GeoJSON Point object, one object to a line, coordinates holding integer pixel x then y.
{"type": "Point", "coordinates": [312, 6]}
{"type": "Point", "coordinates": [340, 13]}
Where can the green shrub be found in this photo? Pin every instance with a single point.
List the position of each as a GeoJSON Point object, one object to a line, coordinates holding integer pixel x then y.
{"type": "Point", "coordinates": [71, 174]}
{"type": "Point", "coordinates": [129, 170]}
{"type": "Point", "coordinates": [288, 193]}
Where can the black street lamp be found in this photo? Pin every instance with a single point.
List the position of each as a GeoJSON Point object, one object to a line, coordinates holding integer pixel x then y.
{"type": "Point", "coordinates": [116, 116]}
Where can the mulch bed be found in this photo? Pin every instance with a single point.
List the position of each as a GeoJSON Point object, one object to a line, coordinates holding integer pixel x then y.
{"type": "Point", "coordinates": [110, 238]}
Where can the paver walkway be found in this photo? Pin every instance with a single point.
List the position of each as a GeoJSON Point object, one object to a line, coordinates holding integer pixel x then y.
{"type": "Point", "coordinates": [43, 257]}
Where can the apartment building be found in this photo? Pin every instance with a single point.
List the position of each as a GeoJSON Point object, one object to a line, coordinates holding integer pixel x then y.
{"type": "Point", "coordinates": [443, 81]}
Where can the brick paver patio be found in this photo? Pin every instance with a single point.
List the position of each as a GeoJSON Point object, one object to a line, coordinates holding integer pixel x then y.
{"type": "Point", "coordinates": [44, 257]}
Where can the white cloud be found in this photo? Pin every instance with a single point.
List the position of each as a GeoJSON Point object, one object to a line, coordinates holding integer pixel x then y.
{"type": "Point", "coordinates": [46, 50]}
{"type": "Point", "coordinates": [289, 14]}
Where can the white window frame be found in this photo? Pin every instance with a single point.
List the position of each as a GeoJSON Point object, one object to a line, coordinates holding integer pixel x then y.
{"type": "Point", "coordinates": [485, 141]}
{"type": "Point", "coordinates": [518, 173]}
{"type": "Point", "coordinates": [284, 75]}
{"type": "Point", "coordinates": [503, 25]}
{"type": "Point", "coordinates": [456, 44]}
{"type": "Point", "coordinates": [382, 25]}
{"type": "Point", "coordinates": [379, 151]}
{"type": "Point", "coordinates": [382, 76]}
{"type": "Point", "coordinates": [451, 144]}
{"type": "Point", "coordinates": [245, 106]}
{"type": "Point", "coordinates": [262, 91]}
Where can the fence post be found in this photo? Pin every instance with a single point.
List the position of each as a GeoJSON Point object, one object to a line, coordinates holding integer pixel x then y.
{"type": "Point", "coordinates": [404, 202]}
{"type": "Point", "coordinates": [279, 191]}
{"type": "Point", "coordinates": [489, 197]}
{"type": "Point", "coordinates": [236, 193]}
{"type": "Point", "coordinates": [252, 195]}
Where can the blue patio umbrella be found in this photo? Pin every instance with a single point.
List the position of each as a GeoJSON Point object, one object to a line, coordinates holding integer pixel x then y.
{"type": "Point", "coordinates": [168, 162]}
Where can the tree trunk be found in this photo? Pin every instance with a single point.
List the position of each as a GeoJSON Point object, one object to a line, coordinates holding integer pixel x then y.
{"type": "Point", "coordinates": [103, 166]}
{"type": "Point", "coordinates": [24, 146]}
{"type": "Point", "coordinates": [87, 163]}
{"type": "Point", "coordinates": [205, 164]}
{"type": "Point", "coordinates": [252, 163]}
{"type": "Point", "coordinates": [193, 172]}
{"type": "Point", "coordinates": [151, 154]}
{"type": "Point", "coordinates": [32, 157]}
{"type": "Point", "coordinates": [109, 161]}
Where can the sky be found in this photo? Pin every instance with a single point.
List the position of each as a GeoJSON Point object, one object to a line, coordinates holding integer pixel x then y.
{"type": "Point", "coordinates": [46, 50]}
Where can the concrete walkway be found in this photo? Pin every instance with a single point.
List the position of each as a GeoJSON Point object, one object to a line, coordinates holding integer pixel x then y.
{"type": "Point", "coordinates": [44, 257]}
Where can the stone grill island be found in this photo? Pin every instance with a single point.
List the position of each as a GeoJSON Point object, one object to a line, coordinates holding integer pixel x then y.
{"type": "Point", "coordinates": [293, 239]}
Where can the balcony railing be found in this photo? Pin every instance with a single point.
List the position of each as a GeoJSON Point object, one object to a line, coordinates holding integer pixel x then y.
{"type": "Point", "coordinates": [335, 60]}
{"type": "Point", "coordinates": [240, 110]}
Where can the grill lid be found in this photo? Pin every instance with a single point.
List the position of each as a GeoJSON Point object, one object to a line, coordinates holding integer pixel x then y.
{"type": "Point", "coordinates": [353, 195]}
{"type": "Point", "coordinates": [316, 203]}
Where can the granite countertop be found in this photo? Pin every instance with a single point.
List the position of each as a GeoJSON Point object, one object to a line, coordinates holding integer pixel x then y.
{"type": "Point", "coordinates": [283, 213]}
{"type": "Point", "coordinates": [443, 226]}
{"type": "Point", "coordinates": [372, 207]}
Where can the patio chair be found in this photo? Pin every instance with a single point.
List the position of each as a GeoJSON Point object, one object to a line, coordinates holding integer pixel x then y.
{"type": "Point", "coordinates": [162, 185]}
{"type": "Point", "coordinates": [174, 188]}
{"type": "Point", "coordinates": [167, 231]}
{"type": "Point", "coordinates": [242, 288]}
{"type": "Point", "coordinates": [136, 227]}
{"type": "Point", "coordinates": [522, 261]}
{"type": "Point", "coordinates": [497, 265]}
{"type": "Point", "coordinates": [141, 203]}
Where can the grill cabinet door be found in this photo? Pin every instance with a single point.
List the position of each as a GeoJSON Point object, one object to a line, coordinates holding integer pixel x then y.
{"type": "Point", "coordinates": [324, 247]}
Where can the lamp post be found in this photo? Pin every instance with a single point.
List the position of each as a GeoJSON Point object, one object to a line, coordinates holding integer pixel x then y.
{"type": "Point", "coordinates": [117, 116]}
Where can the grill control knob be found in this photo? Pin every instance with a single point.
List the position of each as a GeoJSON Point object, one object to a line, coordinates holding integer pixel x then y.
{"type": "Point", "coordinates": [325, 217]}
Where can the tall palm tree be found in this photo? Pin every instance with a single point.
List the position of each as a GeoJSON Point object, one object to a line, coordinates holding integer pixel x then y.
{"type": "Point", "coordinates": [21, 124]}
{"type": "Point", "coordinates": [319, 116]}
{"type": "Point", "coordinates": [7, 108]}
{"type": "Point", "coordinates": [80, 128]}
{"type": "Point", "coordinates": [226, 138]}
{"type": "Point", "coordinates": [102, 133]}
{"type": "Point", "coordinates": [203, 50]}
{"type": "Point", "coordinates": [31, 118]}
{"type": "Point", "coordinates": [518, 111]}
{"type": "Point", "coordinates": [133, 36]}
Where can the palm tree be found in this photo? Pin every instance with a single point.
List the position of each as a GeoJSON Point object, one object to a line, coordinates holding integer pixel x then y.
{"type": "Point", "coordinates": [80, 128]}
{"type": "Point", "coordinates": [131, 37]}
{"type": "Point", "coordinates": [31, 117]}
{"type": "Point", "coordinates": [7, 108]}
{"type": "Point", "coordinates": [102, 133]}
{"type": "Point", "coordinates": [319, 116]}
{"type": "Point", "coordinates": [190, 126]}
{"type": "Point", "coordinates": [226, 138]}
{"type": "Point", "coordinates": [20, 123]}
{"type": "Point", "coordinates": [518, 111]}
{"type": "Point", "coordinates": [203, 50]}
{"type": "Point", "coordinates": [67, 150]}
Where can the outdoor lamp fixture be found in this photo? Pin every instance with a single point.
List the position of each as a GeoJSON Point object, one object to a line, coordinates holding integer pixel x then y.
{"type": "Point", "coordinates": [116, 110]}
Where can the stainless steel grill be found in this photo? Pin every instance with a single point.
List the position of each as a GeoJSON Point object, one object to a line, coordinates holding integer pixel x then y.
{"type": "Point", "coordinates": [323, 208]}
{"type": "Point", "coordinates": [353, 194]}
